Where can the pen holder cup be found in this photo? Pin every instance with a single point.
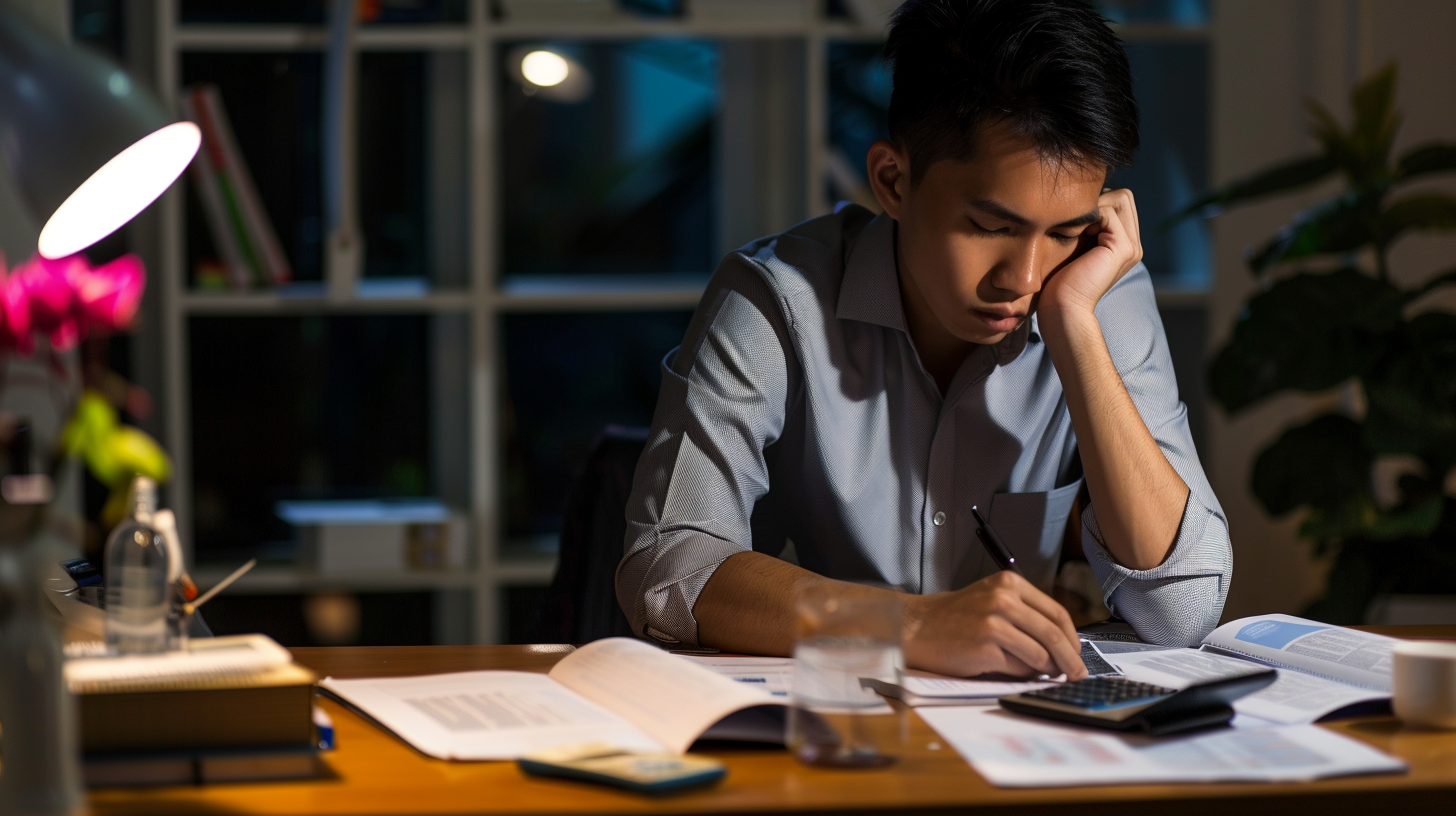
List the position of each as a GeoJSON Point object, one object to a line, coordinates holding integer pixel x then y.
{"type": "Point", "coordinates": [844, 638]}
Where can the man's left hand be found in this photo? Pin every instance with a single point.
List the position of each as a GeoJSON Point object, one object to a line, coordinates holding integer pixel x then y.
{"type": "Point", "coordinates": [1110, 248]}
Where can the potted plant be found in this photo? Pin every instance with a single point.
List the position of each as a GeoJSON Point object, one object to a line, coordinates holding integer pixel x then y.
{"type": "Point", "coordinates": [1327, 315]}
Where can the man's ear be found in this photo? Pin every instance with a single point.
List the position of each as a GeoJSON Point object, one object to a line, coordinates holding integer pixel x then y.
{"type": "Point", "coordinates": [889, 172]}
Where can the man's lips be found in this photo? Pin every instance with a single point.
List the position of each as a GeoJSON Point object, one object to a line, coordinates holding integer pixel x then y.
{"type": "Point", "coordinates": [999, 321]}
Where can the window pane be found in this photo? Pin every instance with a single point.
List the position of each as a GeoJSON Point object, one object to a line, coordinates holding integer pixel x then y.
{"type": "Point", "coordinates": [567, 377]}
{"type": "Point", "coordinates": [304, 407]}
{"type": "Point", "coordinates": [1189, 13]}
{"type": "Point", "coordinates": [610, 171]}
{"type": "Point", "coordinates": [1170, 80]}
{"type": "Point", "coordinates": [413, 169]}
{"type": "Point", "coordinates": [272, 103]}
{"type": "Point", "coordinates": [859, 102]}
{"type": "Point", "coordinates": [316, 11]}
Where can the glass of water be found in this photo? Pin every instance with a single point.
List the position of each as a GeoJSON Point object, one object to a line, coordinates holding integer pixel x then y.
{"type": "Point", "coordinates": [844, 639]}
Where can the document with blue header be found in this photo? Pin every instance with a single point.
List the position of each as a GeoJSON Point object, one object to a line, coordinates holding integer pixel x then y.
{"type": "Point", "coordinates": [1322, 668]}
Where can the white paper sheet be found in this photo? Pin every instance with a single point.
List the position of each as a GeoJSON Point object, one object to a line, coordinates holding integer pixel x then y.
{"type": "Point", "coordinates": [1293, 698]}
{"type": "Point", "coordinates": [772, 674]}
{"type": "Point", "coordinates": [1018, 752]}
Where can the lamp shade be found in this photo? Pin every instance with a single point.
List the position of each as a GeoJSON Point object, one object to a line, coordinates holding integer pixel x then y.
{"type": "Point", "coordinates": [65, 114]}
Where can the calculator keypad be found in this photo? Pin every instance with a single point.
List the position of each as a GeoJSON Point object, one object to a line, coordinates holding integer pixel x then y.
{"type": "Point", "coordinates": [1101, 692]}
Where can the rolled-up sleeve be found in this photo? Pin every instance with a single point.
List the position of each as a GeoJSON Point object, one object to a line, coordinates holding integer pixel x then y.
{"type": "Point", "coordinates": [1179, 601]}
{"type": "Point", "coordinates": [723, 398]}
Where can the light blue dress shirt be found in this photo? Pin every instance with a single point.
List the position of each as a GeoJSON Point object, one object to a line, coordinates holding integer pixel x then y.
{"type": "Point", "coordinates": [796, 409]}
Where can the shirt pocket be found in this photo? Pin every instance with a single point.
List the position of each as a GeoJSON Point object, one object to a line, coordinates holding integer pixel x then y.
{"type": "Point", "coordinates": [1032, 525]}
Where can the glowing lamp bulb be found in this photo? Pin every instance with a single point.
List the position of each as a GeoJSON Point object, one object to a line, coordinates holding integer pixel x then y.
{"type": "Point", "coordinates": [123, 187]}
{"type": "Point", "coordinates": [544, 68]}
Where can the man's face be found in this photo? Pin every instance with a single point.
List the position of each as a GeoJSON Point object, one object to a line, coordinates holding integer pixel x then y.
{"type": "Point", "coordinates": [977, 239]}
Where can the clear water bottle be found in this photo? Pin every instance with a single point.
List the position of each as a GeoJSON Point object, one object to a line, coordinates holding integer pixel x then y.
{"type": "Point", "coordinates": [136, 577]}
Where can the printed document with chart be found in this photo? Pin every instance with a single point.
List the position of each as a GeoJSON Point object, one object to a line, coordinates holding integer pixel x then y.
{"type": "Point", "coordinates": [617, 691]}
{"type": "Point", "coordinates": [1322, 668]}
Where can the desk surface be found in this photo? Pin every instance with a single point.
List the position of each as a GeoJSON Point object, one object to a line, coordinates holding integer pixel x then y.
{"type": "Point", "coordinates": [375, 773]}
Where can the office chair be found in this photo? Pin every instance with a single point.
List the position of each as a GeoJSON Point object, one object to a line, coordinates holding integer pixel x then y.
{"type": "Point", "coordinates": [581, 604]}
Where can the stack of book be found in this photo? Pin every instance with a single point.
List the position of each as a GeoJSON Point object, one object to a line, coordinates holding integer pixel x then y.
{"type": "Point", "coordinates": [226, 709]}
{"type": "Point", "coordinates": [251, 254]}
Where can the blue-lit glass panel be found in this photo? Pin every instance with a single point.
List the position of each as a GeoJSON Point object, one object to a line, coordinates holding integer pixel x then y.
{"type": "Point", "coordinates": [316, 11]}
{"type": "Point", "coordinates": [567, 377]}
{"type": "Point", "coordinates": [1170, 80]}
{"type": "Point", "coordinates": [302, 407]}
{"type": "Point", "coordinates": [272, 103]}
{"type": "Point", "coordinates": [413, 167]}
{"type": "Point", "coordinates": [859, 102]}
{"type": "Point", "coordinates": [1182, 13]}
{"type": "Point", "coordinates": [610, 171]}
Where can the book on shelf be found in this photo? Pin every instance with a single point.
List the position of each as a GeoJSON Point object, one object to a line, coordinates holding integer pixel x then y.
{"type": "Point", "coordinates": [240, 227]}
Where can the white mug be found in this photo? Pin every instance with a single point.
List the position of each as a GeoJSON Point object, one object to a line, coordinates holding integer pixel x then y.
{"type": "Point", "coordinates": [1425, 683]}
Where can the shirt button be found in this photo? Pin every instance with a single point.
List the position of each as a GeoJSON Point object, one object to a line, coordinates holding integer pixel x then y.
{"type": "Point", "coordinates": [939, 519]}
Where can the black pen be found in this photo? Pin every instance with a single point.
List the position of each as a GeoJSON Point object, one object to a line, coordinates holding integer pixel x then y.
{"type": "Point", "coordinates": [993, 544]}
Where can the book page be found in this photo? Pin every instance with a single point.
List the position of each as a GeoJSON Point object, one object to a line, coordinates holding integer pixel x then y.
{"type": "Point", "coordinates": [774, 675]}
{"type": "Point", "coordinates": [486, 714]}
{"type": "Point", "coordinates": [667, 697]}
{"type": "Point", "coordinates": [1021, 752]}
{"type": "Point", "coordinates": [1359, 658]}
{"type": "Point", "coordinates": [1293, 698]}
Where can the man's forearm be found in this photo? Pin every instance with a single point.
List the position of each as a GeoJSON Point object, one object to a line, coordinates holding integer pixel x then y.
{"type": "Point", "coordinates": [1138, 496]}
{"type": "Point", "coordinates": [748, 604]}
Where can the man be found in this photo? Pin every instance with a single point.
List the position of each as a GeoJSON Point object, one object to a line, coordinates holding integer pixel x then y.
{"type": "Point", "coordinates": [855, 385]}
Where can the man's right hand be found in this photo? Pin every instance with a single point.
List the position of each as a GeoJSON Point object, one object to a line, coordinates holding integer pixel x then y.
{"type": "Point", "coordinates": [1000, 624]}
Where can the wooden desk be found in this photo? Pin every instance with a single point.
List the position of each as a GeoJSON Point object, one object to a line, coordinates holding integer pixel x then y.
{"type": "Point", "coordinates": [374, 773]}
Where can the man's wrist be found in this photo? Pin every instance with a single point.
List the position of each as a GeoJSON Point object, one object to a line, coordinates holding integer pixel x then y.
{"type": "Point", "coordinates": [1072, 323]}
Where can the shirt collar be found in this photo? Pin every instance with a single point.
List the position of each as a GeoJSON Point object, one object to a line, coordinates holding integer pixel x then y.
{"type": "Point", "coordinates": [871, 289]}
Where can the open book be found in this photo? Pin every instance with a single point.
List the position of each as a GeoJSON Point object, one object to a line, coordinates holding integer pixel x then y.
{"type": "Point", "coordinates": [1322, 668]}
{"type": "Point", "coordinates": [618, 691]}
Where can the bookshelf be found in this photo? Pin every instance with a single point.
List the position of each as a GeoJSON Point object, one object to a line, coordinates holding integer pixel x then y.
{"type": "Point", "coordinates": [488, 297]}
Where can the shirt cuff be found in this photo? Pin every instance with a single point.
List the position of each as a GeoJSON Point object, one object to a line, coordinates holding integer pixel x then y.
{"type": "Point", "coordinates": [1201, 554]}
{"type": "Point", "coordinates": [681, 568]}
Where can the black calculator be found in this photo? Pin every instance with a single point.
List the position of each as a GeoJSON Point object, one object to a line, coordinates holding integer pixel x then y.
{"type": "Point", "coordinates": [1127, 705]}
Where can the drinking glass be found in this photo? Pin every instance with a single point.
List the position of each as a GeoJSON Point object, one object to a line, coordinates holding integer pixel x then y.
{"type": "Point", "coordinates": [844, 638]}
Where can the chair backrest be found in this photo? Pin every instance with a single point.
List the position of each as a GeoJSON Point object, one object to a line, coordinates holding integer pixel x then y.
{"type": "Point", "coordinates": [581, 605]}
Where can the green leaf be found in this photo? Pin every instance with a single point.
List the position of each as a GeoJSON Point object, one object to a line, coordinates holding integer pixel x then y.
{"type": "Point", "coordinates": [1412, 392]}
{"type": "Point", "coordinates": [1323, 464]}
{"type": "Point", "coordinates": [1424, 212]}
{"type": "Point", "coordinates": [1338, 225]}
{"type": "Point", "coordinates": [1287, 176]}
{"type": "Point", "coordinates": [1308, 332]}
{"type": "Point", "coordinates": [1376, 122]}
{"type": "Point", "coordinates": [1435, 157]}
{"type": "Point", "coordinates": [1446, 278]}
{"type": "Point", "coordinates": [1418, 520]}
{"type": "Point", "coordinates": [1326, 130]}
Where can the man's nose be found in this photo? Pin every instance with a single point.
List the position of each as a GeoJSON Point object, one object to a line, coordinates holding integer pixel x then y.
{"type": "Point", "coordinates": [1019, 271]}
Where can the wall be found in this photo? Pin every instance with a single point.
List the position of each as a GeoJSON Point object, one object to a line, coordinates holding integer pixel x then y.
{"type": "Point", "coordinates": [1269, 58]}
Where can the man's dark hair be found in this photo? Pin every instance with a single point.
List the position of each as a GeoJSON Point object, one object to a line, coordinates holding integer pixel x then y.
{"type": "Point", "coordinates": [1050, 69]}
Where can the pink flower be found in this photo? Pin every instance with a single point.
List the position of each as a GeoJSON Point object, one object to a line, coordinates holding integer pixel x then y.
{"type": "Point", "coordinates": [109, 295]}
{"type": "Point", "coordinates": [67, 299]}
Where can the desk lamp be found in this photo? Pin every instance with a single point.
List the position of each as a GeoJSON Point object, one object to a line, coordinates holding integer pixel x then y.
{"type": "Point", "coordinates": [89, 149]}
